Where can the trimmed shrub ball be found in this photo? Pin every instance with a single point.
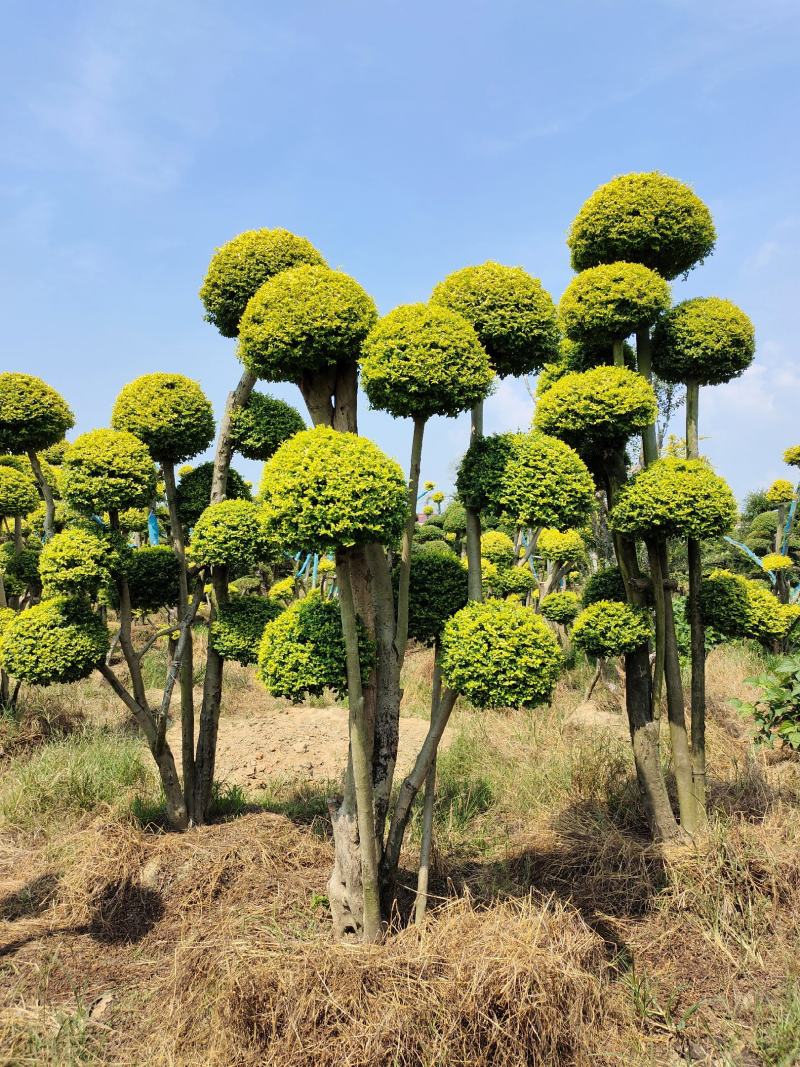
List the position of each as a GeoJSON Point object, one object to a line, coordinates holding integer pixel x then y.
{"type": "Point", "coordinates": [74, 563]}
{"type": "Point", "coordinates": [609, 628]}
{"type": "Point", "coordinates": [566, 547]}
{"type": "Point", "coordinates": [18, 494]}
{"type": "Point", "coordinates": [560, 607]}
{"type": "Point", "coordinates": [498, 653]}
{"type": "Point", "coordinates": [108, 470]}
{"type": "Point", "coordinates": [706, 340]}
{"type": "Point", "coordinates": [55, 641]}
{"type": "Point", "coordinates": [480, 474]}
{"type": "Point", "coordinates": [498, 548]}
{"type": "Point", "coordinates": [792, 456]}
{"type": "Point", "coordinates": [437, 590]}
{"type": "Point", "coordinates": [237, 630]}
{"type": "Point", "coordinates": [194, 492]}
{"type": "Point", "coordinates": [610, 302]}
{"type": "Point", "coordinates": [259, 429]}
{"type": "Point", "coordinates": [545, 483]}
{"type": "Point", "coordinates": [605, 584]}
{"type": "Point", "coordinates": [33, 416]}
{"type": "Point", "coordinates": [169, 412]}
{"type": "Point", "coordinates": [152, 573]}
{"type": "Point", "coordinates": [229, 534]}
{"type": "Point", "coordinates": [780, 492]}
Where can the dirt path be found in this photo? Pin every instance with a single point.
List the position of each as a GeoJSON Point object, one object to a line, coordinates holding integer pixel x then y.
{"type": "Point", "coordinates": [293, 742]}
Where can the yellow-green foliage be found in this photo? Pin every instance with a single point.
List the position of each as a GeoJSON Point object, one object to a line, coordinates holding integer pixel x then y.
{"type": "Point", "coordinates": [20, 570]}
{"type": "Point", "coordinates": [675, 498]}
{"type": "Point", "coordinates": [514, 582]}
{"type": "Point", "coordinates": [302, 650]}
{"type": "Point", "coordinates": [33, 415]}
{"type": "Point", "coordinates": [454, 518]}
{"type": "Point", "coordinates": [422, 360]}
{"type": "Point", "coordinates": [498, 548]}
{"type": "Point", "coordinates": [605, 584]}
{"type": "Point", "coordinates": [169, 412]}
{"type": "Point", "coordinates": [610, 628]}
{"type": "Point", "coordinates": [229, 533]}
{"type": "Point", "coordinates": [18, 495]}
{"type": "Point", "coordinates": [54, 455]}
{"type": "Point", "coordinates": [725, 603]}
{"type": "Point", "coordinates": [24, 466]}
{"type": "Point", "coordinates": [282, 590]}
{"type": "Point", "coordinates": [780, 492]}
{"type": "Point", "coordinates": [240, 268]}
{"type": "Point", "coordinates": [545, 483]}
{"type": "Point", "coordinates": [480, 475]}
{"type": "Point", "coordinates": [74, 563]}
{"type": "Point", "coordinates": [560, 607]}
{"type": "Point", "coordinates": [792, 456]}
{"type": "Point", "coordinates": [566, 547]}
{"type": "Point", "coordinates": [237, 630]}
{"type": "Point", "coordinates": [767, 619]}
{"type": "Point", "coordinates": [548, 376]}
{"type": "Point", "coordinates": [500, 654]}
{"type": "Point", "coordinates": [645, 218]}
{"type": "Point", "coordinates": [152, 573]}
{"type": "Point", "coordinates": [601, 407]}
{"type": "Point", "coordinates": [325, 490]}
{"type": "Point", "coordinates": [304, 320]}
{"type": "Point", "coordinates": [513, 315]}
{"type": "Point", "coordinates": [260, 428]}
{"type": "Point", "coordinates": [609, 302]}
{"type": "Point", "coordinates": [706, 340]}
{"type": "Point", "coordinates": [194, 491]}
{"type": "Point", "coordinates": [7, 616]}
{"type": "Point", "coordinates": [57, 640]}
{"type": "Point", "coordinates": [437, 590]}
{"type": "Point", "coordinates": [108, 470]}
{"type": "Point", "coordinates": [775, 561]}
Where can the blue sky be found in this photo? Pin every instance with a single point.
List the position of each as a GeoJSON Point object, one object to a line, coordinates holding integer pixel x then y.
{"type": "Point", "coordinates": [405, 140]}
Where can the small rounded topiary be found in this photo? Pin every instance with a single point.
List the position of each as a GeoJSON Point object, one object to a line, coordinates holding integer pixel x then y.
{"type": "Point", "coordinates": [706, 340]}
{"type": "Point", "coordinates": [792, 456]}
{"type": "Point", "coordinates": [560, 607]}
{"type": "Point", "coordinates": [422, 360]}
{"type": "Point", "coordinates": [498, 548]}
{"type": "Point", "coordinates": [645, 218]}
{"type": "Point", "coordinates": [20, 570]}
{"type": "Point", "coordinates": [601, 408]}
{"type": "Point", "coordinates": [242, 266]}
{"type": "Point", "coordinates": [514, 582]}
{"type": "Point", "coordinates": [74, 563]}
{"type": "Point", "coordinates": [302, 650]}
{"type": "Point", "coordinates": [512, 314]}
{"type": "Point", "coordinates": [780, 492]}
{"type": "Point", "coordinates": [108, 470]}
{"type": "Point", "coordinates": [500, 654]}
{"type": "Point", "coordinates": [609, 628]}
{"type": "Point", "coordinates": [566, 547]}
{"type": "Point", "coordinates": [237, 630]}
{"type": "Point", "coordinates": [152, 573]}
{"type": "Point", "coordinates": [454, 518]}
{"type": "Point", "coordinates": [428, 531]}
{"type": "Point", "coordinates": [55, 641]}
{"type": "Point", "coordinates": [612, 301]}
{"type": "Point", "coordinates": [776, 561]}
{"type": "Point", "coordinates": [481, 470]}
{"type": "Point", "coordinates": [767, 619]}
{"type": "Point", "coordinates": [33, 416]}
{"type": "Point", "coordinates": [545, 483]}
{"type": "Point", "coordinates": [437, 590]}
{"type": "Point", "coordinates": [169, 412]}
{"type": "Point", "coordinates": [259, 429]}
{"type": "Point", "coordinates": [605, 584]}
{"type": "Point", "coordinates": [725, 603]}
{"type": "Point", "coordinates": [229, 534]}
{"type": "Point", "coordinates": [325, 490]}
{"type": "Point", "coordinates": [675, 498]}
{"type": "Point", "coordinates": [18, 494]}
{"type": "Point", "coordinates": [303, 320]}
{"type": "Point", "coordinates": [194, 492]}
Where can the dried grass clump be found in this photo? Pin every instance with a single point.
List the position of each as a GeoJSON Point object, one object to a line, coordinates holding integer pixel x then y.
{"type": "Point", "coordinates": [520, 983]}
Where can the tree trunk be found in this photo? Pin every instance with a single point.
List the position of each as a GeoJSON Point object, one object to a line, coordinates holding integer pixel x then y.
{"type": "Point", "coordinates": [474, 579]}
{"type": "Point", "coordinates": [698, 635]}
{"type": "Point", "coordinates": [421, 902]}
{"type": "Point", "coordinates": [206, 753]}
{"type": "Point", "coordinates": [408, 536]}
{"type": "Point", "coordinates": [644, 348]}
{"type": "Point", "coordinates": [47, 495]}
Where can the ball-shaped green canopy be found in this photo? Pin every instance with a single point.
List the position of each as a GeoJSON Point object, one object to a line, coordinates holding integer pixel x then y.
{"type": "Point", "coordinates": [422, 360]}
{"type": "Point", "coordinates": [260, 428]}
{"type": "Point", "coordinates": [560, 607]}
{"type": "Point", "coordinates": [480, 473]}
{"type": "Point", "coordinates": [302, 651]}
{"type": "Point", "coordinates": [724, 603]}
{"type": "Point", "coordinates": [74, 563]}
{"type": "Point", "coordinates": [498, 548]}
{"type": "Point", "coordinates": [644, 218]}
{"type": "Point", "coordinates": [325, 490]}
{"type": "Point", "coordinates": [561, 547]}
{"type": "Point", "coordinates": [304, 320]}
{"type": "Point", "coordinates": [706, 340]}
{"type": "Point", "coordinates": [675, 498]}
{"type": "Point", "coordinates": [33, 416]}
{"type": "Point", "coordinates": [229, 534]}
{"type": "Point", "coordinates": [107, 470]}
{"type": "Point", "coordinates": [513, 315]}
{"type": "Point", "coordinates": [237, 630]}
{"type": "Point", "coordinates": [780, 492]}
{"type": "Point", "coordinates": [240, 268]}
{"type": "Point", "coordinates": [152, 572]}
{"type": "Point", "coordinates": [792, 456]}
{"type": "Point", "coordinates": [53, 642]}
{"type": "Point", "coordinates": [609, 628]}
{"type": "Point", "coordinates": [605, 584]}
{"type": "Point", "coordinates": [169, 412]}
{"type": "Point", "coordinates": [194, 491]}
{"type": "Point", "coordinates": [454, 518]}
{"type": "Point", "coordinates": [776, 561]}
{"type": "Point", "coordinates": [545, 483]}
{"type": "Point", "coordinates": [437, 590]}
{"type": "Point", "coordinates": [500, 654]}
{"type": "Point", "coordinates": [608, 303]}
{"type": "Point", "coordinates": [18, 495]}
{"type": "Point", "coordinates": [599, 408]}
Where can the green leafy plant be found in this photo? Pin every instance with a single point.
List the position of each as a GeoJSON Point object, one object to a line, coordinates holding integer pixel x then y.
{"type": "Point", "coordinates": [776, 713]}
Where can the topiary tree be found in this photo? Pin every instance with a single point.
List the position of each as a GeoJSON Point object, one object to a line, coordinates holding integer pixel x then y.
{"type": "Point", "coordinates": [33, 417]}
{"type": "Point", "coordinates": [419, 361]}
{"type": "Point", "coordinates": [610, 628]}
{"type": "Point", "coordinates": [75, 563]}
{"type": "Point", "coordinates": [605, 584]}
{"type": "Point", "coordinates": [780, 492]}
{"type": "Point", "coordinates": [238, 628]}
{"type": "Point", "coordinates": [262, 425]}
{"type": "Point", "coordinates": [194, 492]}
{"type": "Point", "coordinates": [59, 640]}
{"type": "Point", "coordinates": [153, 575]}
{"type": "Point", "coordinates": [229, 534]}
{"type": "Point", "coordinates": [561, 608]}
{"type": "Point", "coordinates": [107, 470]}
